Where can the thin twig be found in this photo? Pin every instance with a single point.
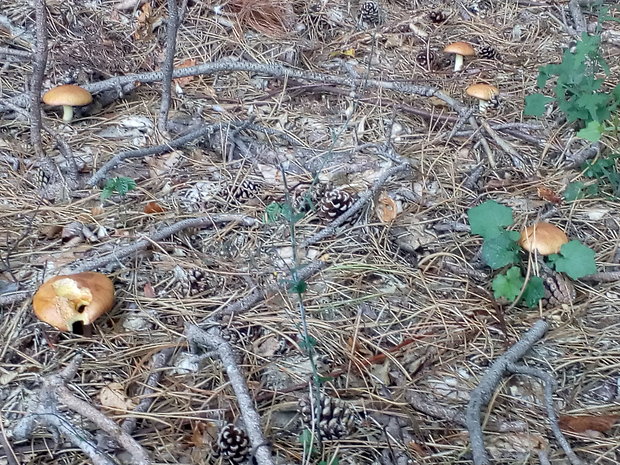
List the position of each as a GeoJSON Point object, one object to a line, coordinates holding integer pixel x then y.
{"type": "Point", "coordinates": [171, 44]}
{"type": "Point", "coordinates": [122, 252]}
{"type": "Point", "coordinates": [481, 395]}
{"type": "Point", "coordinates": [274, 70]}
{"type": "Point", "coordinates": [249, 301]}
{"type": "Point", "coordinates": [149, 151]}
{"type": "Point", "coordinates": [38, 71]}
{"type": "Point", "coordinates": [212, 339]}
{"type": "Point", "coordinates": [549, 386]}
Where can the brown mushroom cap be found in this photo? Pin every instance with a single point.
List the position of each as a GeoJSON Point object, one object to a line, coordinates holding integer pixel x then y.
{"type": "Point", "coordinates": [67, 94]}
{"type": "Point", "coordinates": [482, 91]}
{"type": "Point", "coordinates": [544, 238]}
{"type": "Point", "coordinates": [65, 300]}
{"type": "Point", "coordinates": [460, 48]}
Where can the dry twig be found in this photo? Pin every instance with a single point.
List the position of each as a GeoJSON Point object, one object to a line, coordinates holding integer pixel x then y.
{"type": "Point", "coordinates": [212, 339]}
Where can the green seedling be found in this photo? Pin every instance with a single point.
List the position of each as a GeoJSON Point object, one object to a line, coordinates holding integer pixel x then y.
{"type": "Point", "coordinates": [119, 185]}
{"type": "Point", "coordinates": [579, 90]}
{"type": "Point", "coordinates": [604, 180]}
{"type": "Point", "coordinates": [501, 248]}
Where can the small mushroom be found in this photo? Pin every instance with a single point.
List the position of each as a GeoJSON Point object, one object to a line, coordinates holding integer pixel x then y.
{"type": "Point", "coordinates": [72, 302]}
{"type": "Point", "coordinates": [68, 96]}
{"type": "Point", "coordinates": [485, 94]}
{"type": "Point", "coordinates": [544, 238]}
{"type": "Point", "coordinates": [460, 50]}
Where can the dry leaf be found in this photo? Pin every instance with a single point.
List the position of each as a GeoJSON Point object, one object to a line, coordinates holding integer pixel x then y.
{"type": "Point", "coordinates": [146, 23]}
{"type": "Point", "coordinates": [149, 291]}
{"type": "Point", "coordinates": [51, 231]}
{"type": "Point", "coordinates": [113, 397]}
{"type": "Point", "coordinates": [386, 208]}
{"type": "Point", "coordinates": [153, 207]}
{"type": "Point", "coordinates": [267, 347]}
{"type": "Point", "coordinates": [583, 423]}
{"type": "Point", "coordinates": [182, 81]}
{"type": "Point", "coordinates": [162, 165]}
{"type": "Point", "coordinates": [549, 195]}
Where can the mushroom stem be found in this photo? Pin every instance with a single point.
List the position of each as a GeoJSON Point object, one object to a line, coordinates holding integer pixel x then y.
{"type": "Point", "coordinates": [458, 62]}
{"type": "Point", "coordinates": [482, 105]}
{"type": "Point", "coordinates": [67, 114]}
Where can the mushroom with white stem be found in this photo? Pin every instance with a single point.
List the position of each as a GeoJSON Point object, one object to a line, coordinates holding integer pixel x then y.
{"type": "Point", "coordinates": [485, 93]}
{"type": "Point", "coordinates": [67, 96]}
{"type": "Point", "coordinates": [460, 50]}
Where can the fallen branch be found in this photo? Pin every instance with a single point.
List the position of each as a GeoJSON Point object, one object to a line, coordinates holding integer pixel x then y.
{"type": "Point", "coordinates": [481, 395]}
{"type": "Point", "coordinates": [212, 339]}
{"type": "Point", "coordinates": [273, 70]}
{"type": "Point", "coordinates": [549, 386]}
{"type": "Point", "coordinates": [122, 252]}
{"type": "Point", "coordinates": [172, 24]}
{"type": "Point", "coordinates": [54, 392]}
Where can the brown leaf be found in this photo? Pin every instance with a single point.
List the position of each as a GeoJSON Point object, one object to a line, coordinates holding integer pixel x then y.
{"type": "Point", "coordinates": [113, 397]}
{"type": "Point", "coordinates": [153, 207]}
{"type": "Point", "coordinates": [583, 423]}
{"type": "Point", "coordinates": [386, 208]}
{"type": "Point", "coordinates": [149, 291]}
{"type": "Point", "coordinates": [182, 81]}
{"type": "Point", "coordinates": [549, 195]}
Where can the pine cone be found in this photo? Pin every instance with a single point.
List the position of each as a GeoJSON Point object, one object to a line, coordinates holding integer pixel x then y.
{"type": "Point", "coordinates": [558, 289]}
{"type": "Point", "coordinates": [336, 419]}
{"type": "Point", "coordinates": [232, 444]}
{"type": "Point", "coordinates": [197, 282]}
{"type": "Point", "coordinates": [488, 53]}
{"type": "Point", "coordinates": [306, 197]}
{"type": "Point", "coordinates": [424, 58]}
{"type": "Point", "coordinates": [334, 203]}
{"type": "Point", "coordinates": [437, 16]}
{"type": "Point", "coordinates": [369, 13]}
{"type": "Point", "coordinates": [479, 7]}
{"type": "Point", "coordinates": [245, 190]}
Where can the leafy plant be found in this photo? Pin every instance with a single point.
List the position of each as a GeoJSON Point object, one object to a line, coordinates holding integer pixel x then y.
{"type": "Point", "coordinates": [605, 180]}
{"type": "Point", "coordinates": [118, 185]}
{"type": "Point", "coordinates": [500, 248]}
{"type": "Point", "coordinates": [578, 90]}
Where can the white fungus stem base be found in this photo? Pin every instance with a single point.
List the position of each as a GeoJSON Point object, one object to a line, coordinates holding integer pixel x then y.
{"type": "Point", "coordinates": [67, 114]}
{"type": "Point", "coordinates": [458, 62]}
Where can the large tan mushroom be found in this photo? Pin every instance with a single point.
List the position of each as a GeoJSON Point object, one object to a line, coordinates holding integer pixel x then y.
{"type": "Point", "coordinates": [460, 50]}
{"type": "Point", "coordinates": [484, 93]}
{"type": "Point", "coordinates": [69, 96]}
{"type": "Point", "coordinates": [64, 301]}
{"type": "Point", "coordinates": [544, 238]}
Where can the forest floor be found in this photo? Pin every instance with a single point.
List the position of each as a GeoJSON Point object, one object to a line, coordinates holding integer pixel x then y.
{"type": "Point", "coordinates": [398, 309]}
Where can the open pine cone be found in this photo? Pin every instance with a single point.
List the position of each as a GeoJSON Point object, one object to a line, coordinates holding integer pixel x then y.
{"type": "Point", "coordinates": [232, 444]}
{"type": "Point", "coordinates": [337, 420]}
{"type": "Point", "coordinates": [369, 13]}
{"type": "Point", "coordinates": [334, 203]}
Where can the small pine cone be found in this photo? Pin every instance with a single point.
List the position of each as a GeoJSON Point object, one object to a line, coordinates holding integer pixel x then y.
{"type": "Point", "coordinates": [479, 7]}
{"type": "Point", "coordinates": [424, 58]}
{"type": "Point", "coordinates": [488, 53]}
{"type": "Point", "coordinates": [369, 13]}
{"type": "Point", "coordinates": [232, 444]}
{"type": "Point", "coordinates": [558, 289]}
{"type": "Point", "coordinates": [437, 17]}
{"type": "Point", "coordinates": [197, 282]}
{"type": "Point", "coordinates": [305, 197]}
{"type": "Point", "coordinates": [334, 203]}
{"type": "Point", "coordinates": [245, 190]}
{"type": "Point", "coordinates": [336, 420]}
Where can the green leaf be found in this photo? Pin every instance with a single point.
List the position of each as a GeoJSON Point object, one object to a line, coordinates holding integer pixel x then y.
{"type": "Point", "coordinates": [298, 287]}
{"type": "Point", "coordinates": [290, 215]}
{"type": "Point", "coordinates": [273, 212]}
{"type": "Point", "coordinates": [489, 218]}
{"type": "Point", "coordinates": [501, 250]}
{"type": "Point", "coordinates": [534, 291]}
{"type": "Point", "coordinates": [592, 131]}
{"type": "Point", "coordinates": [535, 104]}
{"type": "Point", "coordinates": [120, 185]}
{"type": "Point", "coordinates": [577, 190]}
{"type": "Point", "coordinates": [308, 343]}
{"type": "Point", "coordinates": [306, 440]}
{"type": "Point", "coordinates": [574, 259]}
{"type": "Point", "coordinates": [508, 285]}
